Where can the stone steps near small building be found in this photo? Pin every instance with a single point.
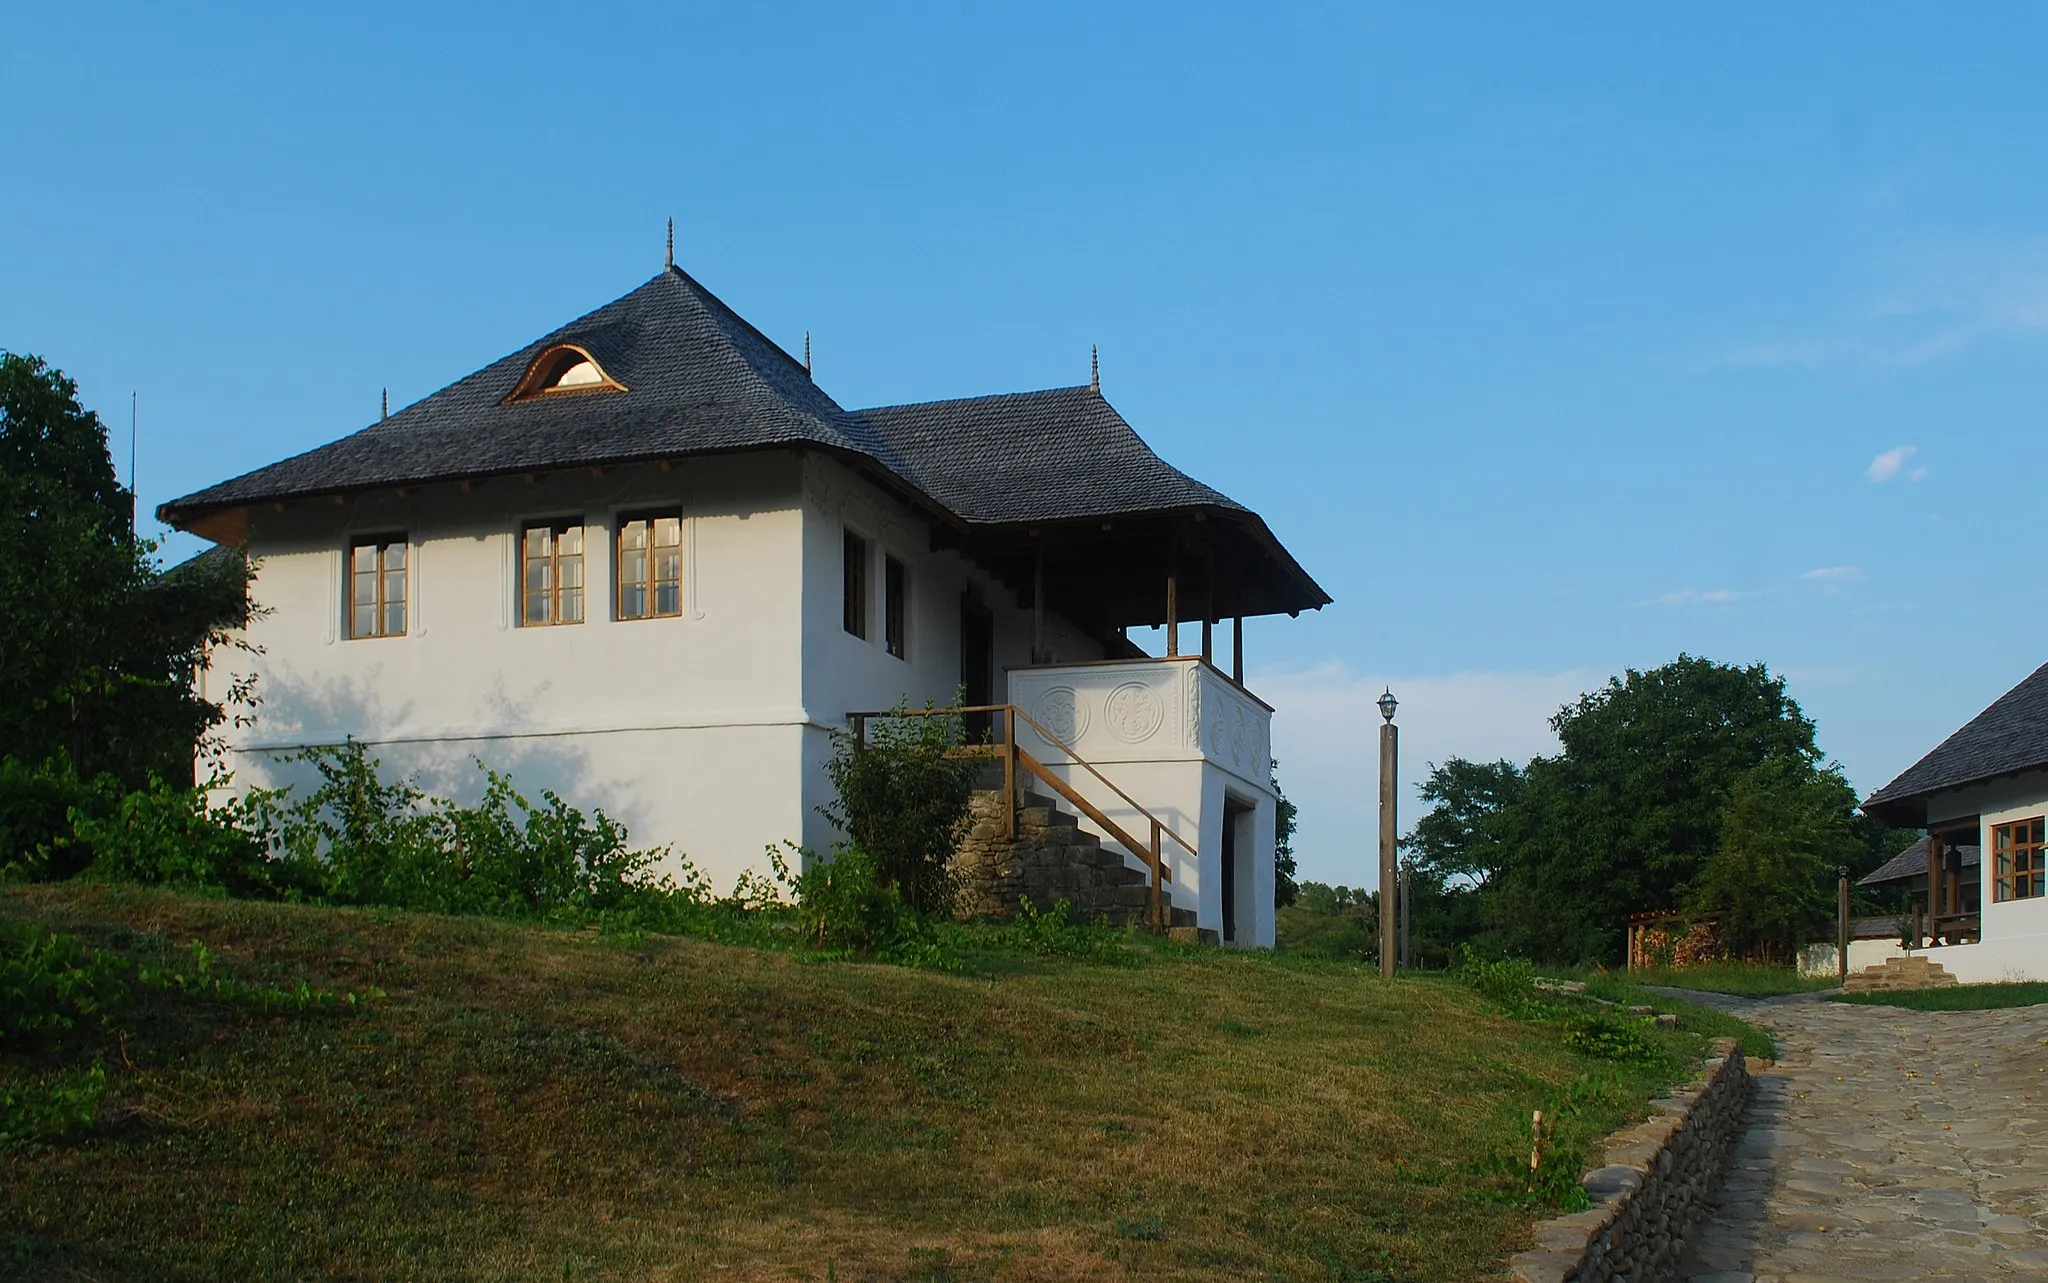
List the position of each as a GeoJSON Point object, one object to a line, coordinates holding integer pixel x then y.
{"type": "Point", "coordinates": [1908, 971]}
{"type": "Point", "coordinates": [1052, 858]}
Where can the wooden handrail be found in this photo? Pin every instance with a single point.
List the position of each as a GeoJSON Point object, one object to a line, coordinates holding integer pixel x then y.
{"type": "Point", "coordinates": [1078, 760]}
{"type": "Point", "coordinates": [1093, 812]}
{"type": "Point", "coordinates": [1013, 756]}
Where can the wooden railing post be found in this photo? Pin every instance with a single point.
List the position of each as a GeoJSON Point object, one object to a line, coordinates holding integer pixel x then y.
{"type": "Point", "coordinates": [1158, 918]}
{"type": "Point", "coordinates": [1010, 771]}
{"type": "Point", "coordinates": [860, 731]}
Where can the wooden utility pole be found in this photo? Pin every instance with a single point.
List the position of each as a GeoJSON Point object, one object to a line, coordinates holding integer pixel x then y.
{"type": "Point", "coordinates": [1389, 748]}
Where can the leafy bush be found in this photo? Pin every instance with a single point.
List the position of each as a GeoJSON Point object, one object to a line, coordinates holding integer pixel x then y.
{"type": "Point", "coordinates": [1510, 981]}
{"type": "Point", "coordinates": [1608, 1038]}
{"type": "Point", "coordinates": [37, 804]}
{"type": "Point", "coordinates": [903, 799]}
{"type": "Point", "coordinates": [161, 836]}
{"type": "Point", "coordinates": [49, 985]}
{"type": "Point", "coordinates": [844, 903]}
{"type": "Point", "coordinates": [357, 839]}
{"type": "Point", "coordinates": [1055, 934]}
{"type": "Point", "coordinates": [31, 1114]}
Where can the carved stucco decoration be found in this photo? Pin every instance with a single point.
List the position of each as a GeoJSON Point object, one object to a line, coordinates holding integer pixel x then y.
{"type": "Point", "coordinates": [1133, 712]}
{"type": "Point", "coordinates": [1062, 712]}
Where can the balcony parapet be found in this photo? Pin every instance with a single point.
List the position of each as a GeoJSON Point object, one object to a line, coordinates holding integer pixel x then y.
{"type": "Point", "coordinates": [1148, 710]}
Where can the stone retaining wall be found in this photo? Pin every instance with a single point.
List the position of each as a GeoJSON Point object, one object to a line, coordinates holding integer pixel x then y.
{"type": "Point", "coordinates": [1659, 1180]}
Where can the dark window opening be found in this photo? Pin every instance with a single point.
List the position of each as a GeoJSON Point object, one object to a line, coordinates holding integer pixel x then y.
{"type": "Point", "coordinates": [895, 620]}
{"type": "Point", "coordinates": [856, 585]}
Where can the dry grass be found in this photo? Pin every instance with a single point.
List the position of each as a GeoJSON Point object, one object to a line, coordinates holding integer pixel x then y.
{"type": "Point", "coordinates": [528, 1102]}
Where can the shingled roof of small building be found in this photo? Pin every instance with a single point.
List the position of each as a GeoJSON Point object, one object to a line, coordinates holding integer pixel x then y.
{"type": "Point", "coordinates": [700, 379]}
{"type": "Point", "coordinates": [2009, 736]}
{"type": "Point", "coordinates": [1910, 864]}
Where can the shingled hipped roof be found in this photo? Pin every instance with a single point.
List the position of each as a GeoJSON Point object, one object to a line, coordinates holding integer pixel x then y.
{"type": "Point", "coordinates": [701, 380]}
{"type": "Point", "coordinates": [1910, 865]}
{"type": "Point", "coordinates": [2009, 736]}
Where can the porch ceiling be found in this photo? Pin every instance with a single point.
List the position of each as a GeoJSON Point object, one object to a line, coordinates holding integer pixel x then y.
{"type": "Point", "coordinates": [1114, 574]}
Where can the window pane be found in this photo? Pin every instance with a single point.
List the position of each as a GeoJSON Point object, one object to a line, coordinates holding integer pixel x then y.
{"type": "Point", "coordinates": [633, 535]}
{"type": "Point", "coordinates": [536, 607]}
{"type": "Point", "coordinates": [667, 600]}
{"type": "Point", "coordinates": [394, 555]}
{"type": "Point", "coordinates": [668, 567]}
{"type": "Point", "coordinates": [572, 605]}
{"type": "Point", "coordinates": [668, 531]}
{"type": "Point", "coordinates": [569, 571]}
{"type": "Point", "coordinates": [536, 541]}
{"type": "Point", "coordinates": [569, 541]}
{"type": "Point", "coordinates": [394, 617]}
{"type": "Point", "coordinates": [363, 557]}
{"type": "Point", "coordinates": [394, 587]}
{"type": "Point", "coordinates": [633, 601]}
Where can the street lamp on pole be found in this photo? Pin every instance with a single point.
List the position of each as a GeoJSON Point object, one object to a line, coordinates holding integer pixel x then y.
{"type": "Point", "coordinates": [1389, 751]}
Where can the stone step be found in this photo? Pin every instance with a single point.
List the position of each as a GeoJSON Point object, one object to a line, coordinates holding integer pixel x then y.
{"type": "Point", "coordinates": [1909, 971]}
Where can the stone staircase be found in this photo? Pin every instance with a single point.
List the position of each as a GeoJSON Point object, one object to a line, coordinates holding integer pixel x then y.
{"type": "Point", "coordinates": [1912, 971]}
{"type": "Point", "coordinates": [1051, 859]}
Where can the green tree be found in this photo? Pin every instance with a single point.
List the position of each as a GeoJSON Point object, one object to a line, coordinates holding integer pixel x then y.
{"type": "Point", "coordinates": [903, 801]}
{"type": "Point", "coordinates": [98, 649]}
{"type": "Point", "coordinates": [1770, 883]}
{"type": "Point", "coordinates": [1284, 887]}
{"type": "Point", "coordinates": [1460, 836]}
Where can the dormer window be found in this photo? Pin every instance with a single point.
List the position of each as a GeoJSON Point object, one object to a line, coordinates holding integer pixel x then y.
{"type": "Point", "coordinates": [562, 370]}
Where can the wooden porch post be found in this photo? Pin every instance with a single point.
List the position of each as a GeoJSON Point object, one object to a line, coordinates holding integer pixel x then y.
{"type": "Point", "coordinates": [1173, 599]}
{"type": "Point", "coordinates": [1038, 655]}
{"type": "Point", "coordinates": [1237, 650]}
{"type": "Point", "coordinates": [1209, 609]}
{"type": "Point", "coordinates": [1933, 887]}
{"type": "Point", "coordinates": [1010, 772]}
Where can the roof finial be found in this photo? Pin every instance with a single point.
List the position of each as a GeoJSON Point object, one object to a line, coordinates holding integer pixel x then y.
{"type": "Point", "coordinates": [807, 351]}
{"type": "Point", "coordinates": [387, 403]}
{"type": "Point", "coordinates": [1094, 368]}
{"type": "Point", "coordinates": [668, 260]}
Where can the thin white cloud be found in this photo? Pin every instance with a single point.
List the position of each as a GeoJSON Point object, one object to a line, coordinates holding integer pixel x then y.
{"type": "Point", "coordinates": [1836, 574]}
{"type": "Point", "coordinates": [1700, 597]}
{"type": "Point", "coordinates": [1325, 734]}
{"type": "Point", "coordinates": [1889, 464]}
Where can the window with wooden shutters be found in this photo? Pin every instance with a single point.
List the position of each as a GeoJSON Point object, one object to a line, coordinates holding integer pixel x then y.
{"type": "Point", "coordinates": [650, 565]}
{"type": "Point", "coordinates": [856, 585]}
{"type": "Point", "coordinates": [895, 607]}
{"type": "Point", "coordinates": [376, 586]}
{"type": "Point", "coordinates": [2018, 871]}
{"type": "Point", "coordinates": [551, 574]}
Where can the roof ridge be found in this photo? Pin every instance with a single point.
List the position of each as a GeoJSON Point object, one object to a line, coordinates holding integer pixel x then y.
{"type": "Point", "coordinates": [706, 293]}
{"type": "Point", "coordinates": [985, 396]}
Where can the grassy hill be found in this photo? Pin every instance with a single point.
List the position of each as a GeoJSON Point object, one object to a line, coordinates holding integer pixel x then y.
{"type": "Point", "coordinates": [524, 1102]}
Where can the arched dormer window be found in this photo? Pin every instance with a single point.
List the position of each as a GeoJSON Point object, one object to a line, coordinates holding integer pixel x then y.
{"type": "Point", "coordinates": [563, 369]}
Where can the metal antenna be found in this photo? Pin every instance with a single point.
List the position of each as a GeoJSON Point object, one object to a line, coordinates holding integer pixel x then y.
{"type": "Point", "coordinates": [669, 259]}
{"type": "Point", "coordinates": [387, 403]}
{"type": "Point", "coordinates": [807, 351]}
{"type": "Point", "coordinates": [1094, 368]}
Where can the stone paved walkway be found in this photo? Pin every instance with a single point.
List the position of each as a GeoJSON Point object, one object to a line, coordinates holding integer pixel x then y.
{"type": "Point", "coordinates": [1887, 1144]}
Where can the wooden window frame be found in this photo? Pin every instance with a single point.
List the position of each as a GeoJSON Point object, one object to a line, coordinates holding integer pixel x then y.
{"type": "Point", "coordinates": [2019, 860]}
{"type": "Point", "coordinates": [855, 555]}
{"type": "Point", "coordinates": [652, 581]}
{"type": "Point", "coordinates": [554, 557]}
{"type": "Point", "coordinates": [895, 606]}
{"type": "Point", "coordinates": [380, 601]}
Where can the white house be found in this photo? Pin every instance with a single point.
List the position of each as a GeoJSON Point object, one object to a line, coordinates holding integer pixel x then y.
{"type": "Point", "coordinates": [647, 562]}
{"type": "Point", "coordinates": [1981, 913]}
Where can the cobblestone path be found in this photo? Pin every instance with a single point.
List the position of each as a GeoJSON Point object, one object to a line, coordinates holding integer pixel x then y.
{"type": "Point", "coordinates": [1887, 1144]}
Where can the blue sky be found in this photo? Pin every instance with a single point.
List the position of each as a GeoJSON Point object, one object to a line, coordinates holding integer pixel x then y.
{"type": "Point", "coordinates": [1551, 340]}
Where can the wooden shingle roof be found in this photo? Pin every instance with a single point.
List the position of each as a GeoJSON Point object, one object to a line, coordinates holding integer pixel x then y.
{"type": "Point", "coordinates": [698, 379]}
{"type": "Point", "coordinates": [2008, 737]}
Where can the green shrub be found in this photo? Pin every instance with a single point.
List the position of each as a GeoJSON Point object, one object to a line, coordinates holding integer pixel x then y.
{"type": "Point", "coordinates": [170, 837]}
{"type": "Point", "coordinates": [845, 904]}
{"type": "Point", "coordinates": [903, 799]}
{"type": "Point", "coordinates": [1054, 934]}
{"type": "Point", "coordinates": [1509, 981]}
{"type": "Point", "coordinates": [29, 1114]}
{"type": "Point", "coordinates": [37, 806]}
{"type": "Point", "coordinates": [1609, 1038]}
{"type": "Point", "coordinates": [49, 985]}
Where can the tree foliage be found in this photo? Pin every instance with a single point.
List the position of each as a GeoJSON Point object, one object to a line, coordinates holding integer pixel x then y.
{"type": "Point", "coordinates": [1659, 771]}
{"type": "Point", "coordinates": [1770, 884]}
{"type": "Point", "coordinates": [902, 799]}
{"type": "Point", "coordinates": [1285, 889]}
{"type": "Point", "coordinates": [98, 650]}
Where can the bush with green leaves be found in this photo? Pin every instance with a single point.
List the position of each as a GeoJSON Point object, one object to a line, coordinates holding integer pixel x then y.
{"type": "Point", "coordinates": [902, 797]}
{"type": "Point", "coordinates": [844, 904]}
{"type": "Point", "coordinates": [50, 985]}
{"type": "Point", "coordinates": [38, 804]}
{"type": "Point", "coordinates": [357, 838]}
{"type": "Point", "coordinates": [1508, 981]}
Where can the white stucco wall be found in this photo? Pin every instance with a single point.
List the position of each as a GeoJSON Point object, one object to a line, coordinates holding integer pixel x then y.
{"type": "Point", "coordinates": [1186, 744]}
{"type": "Point", "coordinates": [2015, 943]}
{"type": "Point", "coordinates": [706, 732]}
